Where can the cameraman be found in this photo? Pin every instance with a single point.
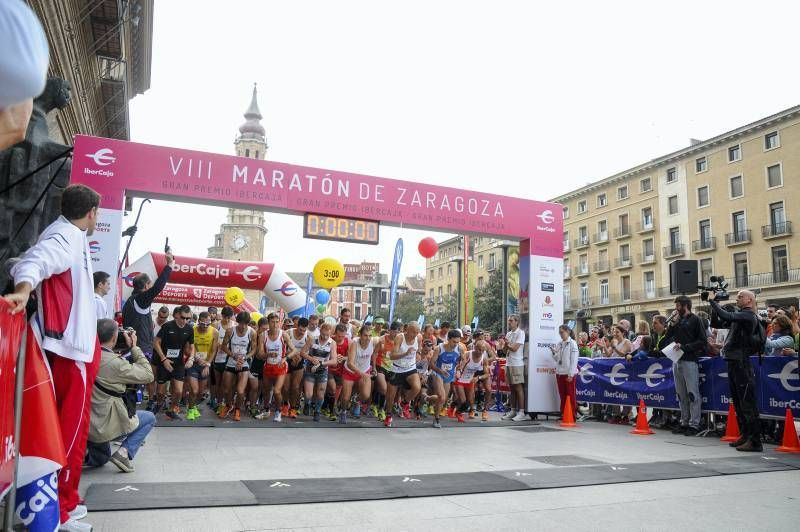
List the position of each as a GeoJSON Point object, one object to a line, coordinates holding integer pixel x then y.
{"type": "Point", "coordinates": [114, 411]}
{"type": "Point", "coordinates": [689, 334]}
{"type": "Point", "coordinates": [736, 351]}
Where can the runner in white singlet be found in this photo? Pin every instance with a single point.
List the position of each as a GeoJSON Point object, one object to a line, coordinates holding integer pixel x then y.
{"type": "Point", "coordinates": [240, 346]}
{"type": "Point", "coordinates": [358, 368]}
{"type": "Point", "coordinates": [404, 368]}
{"type": "Point", "coordinates": [466, 379]}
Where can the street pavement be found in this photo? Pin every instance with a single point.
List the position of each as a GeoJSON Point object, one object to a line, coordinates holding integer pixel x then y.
{"type": "Point", "coordinates": [756, 501]}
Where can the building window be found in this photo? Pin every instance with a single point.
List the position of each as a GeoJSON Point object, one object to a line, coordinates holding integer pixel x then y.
{"type": "Point", "coordinates": [706, 271]}
{"type": "Point", "coordinates": [777, 218]}
{"type": "Point", "coordinates": [622, 192]}
{"type": "Point", "coordinates": [705, 234]}
{"type": "Point", "coordinates": [602, 231]}
{"type": "Point", "coordinates": [625, 253]}
{"type": "Point", "coordinates": [602, 201]}
{"type": "Point", "coordinates": [449, 270]}
{"type": "Point", "coordinates": [584, 294]}
{"type": "Point", "coordinates": [702, 196]}
{"type": "Point", "coordinates": [647, 218]}
{"type": "Point", "coordinates": [439, 291]}
{"type": "Point", "coordinates": [672, 175]}
{"type": "Point", "coordinates": [672, 203]}
{"type": "Point", "coordinates": [740, 268]}
{"type": "Point", "coordinates": [256, 154]}
{"type": "Point", "coordinates": [734, 153]}
{"type": "Point", "coordinates": [771, 141]}
{"type": "Point", "coordinates": [581, 206]}
{"type": "Point", "coordinates": [441, 273]}
{"type": "Point", "coordinates": [648, 249]}
{"type": "Point", "coordinates": [602, 259]}
{"type": "Point", "coordinates": [480, 261]}
{"type": "Point", "coordinates": [566, 294]}
{"type": "Point", "coordinates": [357, 312]}
{"type": "Point", "coordinates": [449, 289]}
{"type": "Point", "coordinates": [492, 264]}
{"type": "Point", "coordinates": [675, 239]}
{"type": "Point", "coordinates": [649, 284]}
{"type": "Point", "coordinates": [737, 187]}
{"type": "Point", "coordinates": [566, 212]}
{"type": "Point", "coordinates": [247, 152]}
{"type": "Point", "coordinates": [432, 273]}
{"type": "Point", "coordinates": [645, 185]}
{"type": "Point", "coordinates": [480, 282]}
{"type": "Point", "coordinates": [774, 176]}
{"type": "Point", "coordinates": [583, 236]}
{"type": "Point", "coordinates": [566, 268]}
{"type": "Point", "coordinates": [604, 292]}
{"type": "Point", "coordinates": [583, 264]}
{"type": "Point", "coordinates": [625, 287]}
{"type": "Point", "coordinates": [358, 296]}
{"type": "Point", "coordinates": [700, 165]}
{"type": "Point", "coordinates": [624, 228]}
{"type": "Point", "coordinates": [566, 240]}
{"type": "Point", "coordinates": [383, 295]}
{"type": "Point", "coordinates": [780, 264]}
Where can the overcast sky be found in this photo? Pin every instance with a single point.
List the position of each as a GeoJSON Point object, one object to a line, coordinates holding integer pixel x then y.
{"type": "Point", "coordinates": [520, 98]}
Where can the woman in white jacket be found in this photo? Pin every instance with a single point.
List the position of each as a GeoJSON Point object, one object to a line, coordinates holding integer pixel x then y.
{"type": "Point", "coordinates": [565, 353]}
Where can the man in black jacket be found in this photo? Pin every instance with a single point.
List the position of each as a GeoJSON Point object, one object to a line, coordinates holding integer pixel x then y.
{"type": "Point", "coordinates": [136, 314]}
{"type": "Point", "coordinates": [737, 351]}
{"type": "Point", "coordinates": [689, 334]}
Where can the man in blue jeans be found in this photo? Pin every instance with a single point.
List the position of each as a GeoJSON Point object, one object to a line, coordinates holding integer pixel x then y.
{"type": "Point", "coordinates": [110, 416]}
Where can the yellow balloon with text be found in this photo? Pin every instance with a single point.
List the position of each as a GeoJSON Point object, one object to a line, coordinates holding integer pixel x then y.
{"type": "Point", "coordinates": [328, 273]}
{"type": "Point", "coordinates": [234, 296]}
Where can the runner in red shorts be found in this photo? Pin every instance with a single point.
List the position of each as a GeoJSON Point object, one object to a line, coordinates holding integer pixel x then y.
{"type": "Point", "coordinates": [467, 378]}
{"type": "Point", "coordinates": [358, 368]}
{"type": "Point", "coordinates": [336, 372]}
{"type": "Point", "coordinates": [272, 345]}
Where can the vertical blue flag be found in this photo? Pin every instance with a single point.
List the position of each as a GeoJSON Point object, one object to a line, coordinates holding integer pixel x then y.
{"type": "Point", "coordinates": [309, 286]}
{"type": "Point", "coordinates": [421, 320]}
{"type": "Point", "coordinates": [398, 260]}
{"type": "Point", "coordinates": [37, 504]}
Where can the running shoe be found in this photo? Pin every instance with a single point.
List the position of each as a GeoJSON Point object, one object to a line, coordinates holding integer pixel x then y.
{"type": "Point", "coordinates": [277, 418]}
{"type": "Point", "coordinates": [388, 421]}
{"type": "Point", "coordinates": [443, 411]}
{"type": "Point", "coordinates": [396, 408]}
{"type": "Point", "coordinates": [460, 417]}
{"type": "Point", "coordinates": [316, 415]}
{"type": "Point", "coordinates": [253, 411]}
{"type": "Point", "coordinates": [374, 410]}
{"type": "Point", "coordinates": [485, 416]}
{"type": "Point", "coordinates": [436, 423]}
{"type": "Point", "coordinates": [473, 413]}
{"type": "Point", "coordinates": [237, 414]}
{"type": "Point", "coordinates": [285, 409]}
{"type": "Point", "coordinates": [212, 404]}
{"type": "Point", "coordinates": [343, 417]}
{"type": "Point", "coordinates": [325, 412]}
{"type": "Point", "coordinates": [172, 415]}
{"type": "Point", "coordinates": [292, 413]}
{"type": "Point", "coordinates": [381, 415]}
{"type": "Point", "coordinates": [406, 411]}
{"type": "Point", "coordinates": [508, 415]}
{"type": "Point", "coordinates": [431, 410]}
{"type": "Point", "coordinates": [332, 416]}
{"type": "Point", "coordinates": [422, 412]}
{"type": "Point", "coordinates": [264, 414]}
{"type": "Point", "coordinates": [520, 416]}
{"type": "Point", "coordinates": [451, 412]}
{"type": "Point", "coordinates": [223, 411]}
{"type": "Point", "coordinates": [306, 409]}
{"type": "Point", "coordinates": [357, 411]}
{"type": "Point", "coordinates": [190, 414]}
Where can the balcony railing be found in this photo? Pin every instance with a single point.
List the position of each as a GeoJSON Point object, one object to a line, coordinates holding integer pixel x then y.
{"type": "Point", "coordinates": [581, 271]}
{"type": "Point", "coordinates": [738, 238]}
{"type": "Point", "coordinates": [674, 251]}
{"type": "Point", "coordinates": [646, 259]}
{"type": "Point", "coordinates": [776, 230]}
{"type": "Point", "coordinates": [623, 262]}
{"type": "Point", "coordinates": [704, 244]}
{"type": "Point", "coordinates": [623, 231]}
{"type": "Point", "coordinates": [602, 266]}
{"type": "Point", "coordinates": [581, 242]}
{"type": "Point", "coordinates": [756, 280]}
{"type": "Point", "coordinates": [567, 273]}
{"type": "Point", "coordinates": [566, 245]}
{"type": "Point", "coordinates": [600, 238]}
{"type": "Point", "coordinates": [646, 227]}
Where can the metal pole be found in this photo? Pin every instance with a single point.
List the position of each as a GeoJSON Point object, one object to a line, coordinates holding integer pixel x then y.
{"type": "Point", "coordinates": [11, 499]}
{"type": "Point", "coordinates": [130, 239]}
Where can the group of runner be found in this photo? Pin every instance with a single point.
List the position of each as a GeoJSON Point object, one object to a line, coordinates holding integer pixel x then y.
{"type": "Point", "coordinates": [316, 368]}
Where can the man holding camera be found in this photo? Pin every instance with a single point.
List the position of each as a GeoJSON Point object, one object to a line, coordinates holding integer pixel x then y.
{"type": "Point", "coordinates": [736, 351]}
{"type": "Point", "coordinates": [114, 411]}
{"type": "Point", "coordinates": [689, 334]}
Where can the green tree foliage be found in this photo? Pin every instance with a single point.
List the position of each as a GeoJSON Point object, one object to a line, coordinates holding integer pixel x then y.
{"type": "Point", "coordinates": [489, 303]}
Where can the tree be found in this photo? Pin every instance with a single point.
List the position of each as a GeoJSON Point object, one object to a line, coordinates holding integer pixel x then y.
{"type": "Point", "coordinates": [489, 303]}
{"type": "Point", "coordinates": [408, 307]}
{"type": "Point", "coordinates": [448, 313]}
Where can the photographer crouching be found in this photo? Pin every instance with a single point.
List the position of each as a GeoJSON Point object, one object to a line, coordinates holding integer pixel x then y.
{"type": "Point", "coordinates": [114, 411]}
{"type": "Point", "coordinates": [739, 346]}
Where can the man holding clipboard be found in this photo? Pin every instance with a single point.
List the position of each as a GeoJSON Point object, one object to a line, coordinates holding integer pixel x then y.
{"type": "Point", "coordinates": [689, 338]}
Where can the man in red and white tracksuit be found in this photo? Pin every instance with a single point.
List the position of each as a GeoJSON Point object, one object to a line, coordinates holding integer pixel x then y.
{"type": "Point", "coordinates": [59, 269]}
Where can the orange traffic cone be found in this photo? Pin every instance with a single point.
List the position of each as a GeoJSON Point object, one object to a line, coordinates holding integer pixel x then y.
{"type": "Point", "coordinates": [642, 426]}
{"type": "Point", "coordinates": [732, 426]}
{"type": "Point", "coordinates": [790, 442]}
{"type": "Point", "coordinates": [568, 417]}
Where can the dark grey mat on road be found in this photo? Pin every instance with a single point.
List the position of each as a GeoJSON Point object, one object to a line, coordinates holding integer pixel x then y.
{"type": "Point", "coordinates": [565, 460]}
{"type": "Point", "coordinates": [155, 495]}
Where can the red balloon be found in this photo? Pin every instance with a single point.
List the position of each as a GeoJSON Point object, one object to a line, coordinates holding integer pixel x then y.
{"type": "Point", "coordinates": [428, 247]}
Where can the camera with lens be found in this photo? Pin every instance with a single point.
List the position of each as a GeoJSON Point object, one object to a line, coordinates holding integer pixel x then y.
{"type": "Point", "coordinates": [719, 286]}
{"type": "Point", "coordinates": [122, 346]}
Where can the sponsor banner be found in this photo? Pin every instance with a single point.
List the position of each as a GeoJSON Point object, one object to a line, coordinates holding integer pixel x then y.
{"type": "Point", "coordinates": [37, 504]}
{"type": "Point", "coordinates": [512, 264]}
{"type": "Point", "coordinates": [10, 337]}
{"type": "Point", "coordinates": [200, 296]}
{"type": "Point", "coordinates": [398, 261]}
{"type": "Point", "coordinates": [114, 166]}
{"type": "Point", "coordinates": [614, 381]}
{"type": "Point", "coordinates": [104, 249]}
{"type": "Point", "coordinates": [546, 314]}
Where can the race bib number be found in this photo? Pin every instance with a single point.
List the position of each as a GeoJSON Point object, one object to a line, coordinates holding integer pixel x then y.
{"type": "Point", "coordinates": [273, 358]}
{"type": "Point", "coordinates": [221, 356]}
{"type": "Point", "coordinates": [447, 367]}
{"type": "Point", "coordinates": [239, 350]}
{"type": "Point", "coordinates": [202, 356]}
{"type": "Point", "coordinates": [173, 353]}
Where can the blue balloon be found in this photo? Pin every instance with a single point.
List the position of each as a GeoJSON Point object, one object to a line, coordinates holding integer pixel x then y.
{"type": "Point", "coordinates": [323, 297]}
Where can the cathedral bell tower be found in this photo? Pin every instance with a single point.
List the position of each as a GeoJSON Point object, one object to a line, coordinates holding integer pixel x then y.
{"type": "Point", "coordinates": [242, 236]}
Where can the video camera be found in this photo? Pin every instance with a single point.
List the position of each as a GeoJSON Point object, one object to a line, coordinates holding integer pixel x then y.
{"type": "Point", "coordinates": [720, 288]}
{"type": "Point", "coordinates": [122, 346]}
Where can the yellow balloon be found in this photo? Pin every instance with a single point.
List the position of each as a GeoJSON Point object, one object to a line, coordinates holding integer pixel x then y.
{"type": "Point", "coordinates": [255, 316]}
{"type": "Point", "coordinates": [234, 296]}
{"type": "Point", "coordinates": [328, 273]}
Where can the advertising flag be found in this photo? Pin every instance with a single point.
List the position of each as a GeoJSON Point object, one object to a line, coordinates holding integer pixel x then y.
{"type": "Point", "coordinates": [398, 260]}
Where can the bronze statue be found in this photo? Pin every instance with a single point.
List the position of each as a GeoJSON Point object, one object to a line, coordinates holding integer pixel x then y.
{"type": "Point", "coordinates": [17, 162]}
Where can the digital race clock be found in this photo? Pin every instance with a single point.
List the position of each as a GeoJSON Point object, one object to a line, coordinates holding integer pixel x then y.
{"type": "Point", "coordinates": [340, 229]}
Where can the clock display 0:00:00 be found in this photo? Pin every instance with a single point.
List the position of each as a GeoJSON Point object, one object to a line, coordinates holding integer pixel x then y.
{"type": "Point", "coordinates": [340, 229]}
